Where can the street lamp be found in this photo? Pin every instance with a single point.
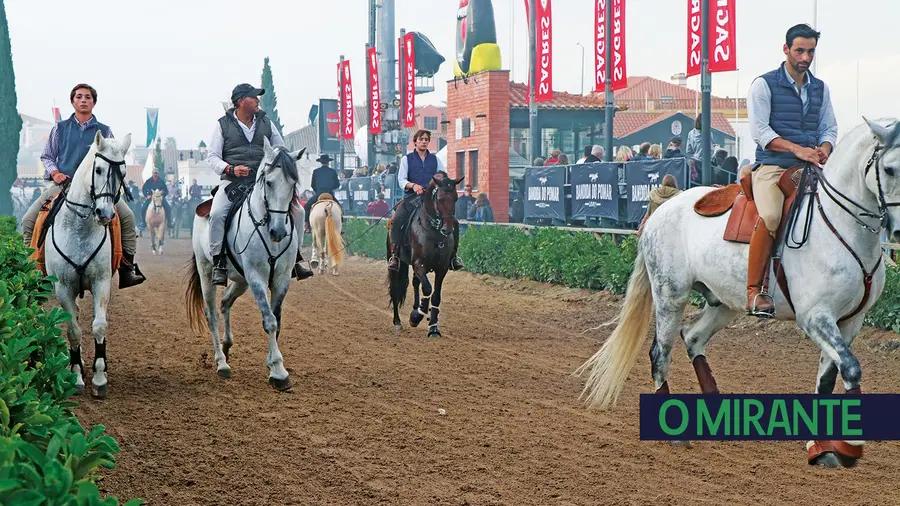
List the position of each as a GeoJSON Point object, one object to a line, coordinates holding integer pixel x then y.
{"type": "Point", "coordinates": [582, 66]}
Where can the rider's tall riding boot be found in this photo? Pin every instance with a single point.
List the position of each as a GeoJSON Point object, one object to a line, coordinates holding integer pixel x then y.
{"type": "Point", "coordinates": [300, 271]}
{"type": "Point", "coordinates": [455, 263]}
{"type": "Point", "coordinates": [757, 266]}
{"type": "Point", "coordinates": [129, 274]}
{"type": "Point", "coordinates": [220, 270]}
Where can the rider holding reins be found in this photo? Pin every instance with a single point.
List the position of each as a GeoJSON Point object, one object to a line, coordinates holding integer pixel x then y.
{"type": "Point", "coordinates": [235, 152]}
{"type": "Point", "coordinates": [415, 173]}
{"type": "Point", "coordinates": [68, 144]}
{"type": "Point", "coordinates": [792, 121]}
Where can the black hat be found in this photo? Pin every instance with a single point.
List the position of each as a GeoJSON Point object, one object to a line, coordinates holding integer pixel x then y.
{"type": "Point", "coordinates": [676, 141]}
{"type": "Point", "coordinates": [324, 159]}
{"type": "Point", "coordinates": [245, 90]}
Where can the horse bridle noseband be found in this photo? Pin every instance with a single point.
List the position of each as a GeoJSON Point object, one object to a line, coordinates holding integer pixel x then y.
{"type": "Point", "coordinates": [114, 178]}
{"type": "Point", "coordinates": [437, 223]}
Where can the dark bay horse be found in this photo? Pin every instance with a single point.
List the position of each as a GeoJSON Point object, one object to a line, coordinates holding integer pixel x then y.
{"type": "Point", "coordinates": [429, 247]}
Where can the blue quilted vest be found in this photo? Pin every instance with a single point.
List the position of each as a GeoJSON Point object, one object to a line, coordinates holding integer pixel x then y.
{"type": "Point", "coordinates": [787, 118]}
{"type": "Point", "coordinates": [74, 143]}
{"type": "Point", "coordinates": [421, 171]}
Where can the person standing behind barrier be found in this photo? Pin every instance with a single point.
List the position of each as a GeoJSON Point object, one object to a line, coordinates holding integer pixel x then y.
{"type": "Point", "coordinates": [464, 202]}
{"type": "Point", "coordinates": [481, 212]}
{"type": "Point", "coordinates": [644, 153]}
{"type": "Point", "coordinates": [655, 152]}
{"type": "Point", "coordinates": [596, 154]}
{"type": "Point", "coordinates": [674, 149]}
{"type": "Point", "coordinates": [659, 195]}
{"type": "Point", "coordinates": [378, 208]}
{"type": "Point", "coordinates": [694, 149]}
{"type": "Point", "coordinates": [624, 154]}
{"type": "Point", "coordinates": [585, 154]}
{"type": "Point", "coordinates": [562, 159]}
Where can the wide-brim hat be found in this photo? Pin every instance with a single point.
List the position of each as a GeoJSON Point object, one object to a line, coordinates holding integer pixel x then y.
{"type": "Point", "coordinates": [245, 90]}
{"type": "Point", "coordinates": [324, 159]}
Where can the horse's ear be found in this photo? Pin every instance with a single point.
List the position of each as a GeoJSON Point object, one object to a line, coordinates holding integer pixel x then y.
{"type": "Point", "coordinates": [267, 146]}
{"type": "Point", "coordinates": [881, 132]}
{"type": "Point", "coordinates": [296, 155]}
{"type": "Point", "coordinates": [98, 140]}
{"type": "Point", "coordinates": [125, 143]}
{"type": "Point", "coordinates": [457, 181]}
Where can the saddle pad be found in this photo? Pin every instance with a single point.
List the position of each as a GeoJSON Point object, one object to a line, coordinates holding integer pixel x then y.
{"type": "Point", "coordinates": [204, 208]}
{"type": "Point", "coordinates": [717, 202]}
{"type": "Point", "coordinates": [744, 216]}
{"type": "Point", "coordinates": [40, 230]}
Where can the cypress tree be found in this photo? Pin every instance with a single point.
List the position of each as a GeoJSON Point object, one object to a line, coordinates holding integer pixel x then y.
{"type": "Point", "coordinates": [10, 122]}
{"type": "Point", "coordinates": [269, 101]}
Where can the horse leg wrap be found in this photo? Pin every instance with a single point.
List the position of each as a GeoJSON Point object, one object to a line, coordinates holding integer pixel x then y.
{"type": "Point", "coordinates": [75, 356]}
{"type": "Point", "coordinates": [100, 352]}
{"type": "Point", "coordinates": [704, 375]}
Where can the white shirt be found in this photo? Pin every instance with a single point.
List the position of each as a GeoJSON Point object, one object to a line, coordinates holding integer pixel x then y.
{"type": "Point", "coordinates": [403, 171]}
{"type": "Point", "coordinates": [217, 143]}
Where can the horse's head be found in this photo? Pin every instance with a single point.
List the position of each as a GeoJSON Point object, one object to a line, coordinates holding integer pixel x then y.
{"type": "Point", "coordinates": [157, 197]}
{"type": "Point", "coordinates": [442, 192]}
{"type": "Point", "coordinates": [883, 174]}
{"type": "Point", "coordinates": [277, 178]}
{"type": "Point", "coordinates": [104, 177]}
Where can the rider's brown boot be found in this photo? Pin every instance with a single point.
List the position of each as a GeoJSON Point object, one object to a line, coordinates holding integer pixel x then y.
{"type": "Point", "coordinates": [757, 265]}
{"type": "Point", "coordinates": [129, 274]}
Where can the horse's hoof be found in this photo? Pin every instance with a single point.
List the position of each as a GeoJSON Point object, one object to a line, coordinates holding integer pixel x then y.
{"type": "Point", "coordinates": [282, 385]}
{"type": "Point", "coordinates": [435, 333]}
{"type": "Point", "coordinates": [682, 444]}
{"type": "Point", "coordinates": [224, 372]}
{"type": "Point", "coordinates": [397, 328]}
{"type": "Point", "coordinates": [314, 263]}
{"type": "Point", "coordinates": [827, 459]}
{"type": "Point", "coordinates": [100, 392]}
{"type": "Point", "coordinates": [79, 388]}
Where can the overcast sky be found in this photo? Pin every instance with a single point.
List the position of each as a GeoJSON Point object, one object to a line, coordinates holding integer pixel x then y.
{"type": "Point", "coordinates": [184, 56]}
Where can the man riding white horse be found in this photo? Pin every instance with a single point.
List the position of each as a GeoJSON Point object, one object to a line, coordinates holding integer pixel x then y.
{"type": "Point", "coordinates": [68, 144]}
{"type": "Point", "coordinates": [324, 180]}
{"type": "Point", "coordinates": [792, 121]}
{"type": "Point", "coordinates": [414, 175]}
{"type": "Point", "coordinates": [235, 152]}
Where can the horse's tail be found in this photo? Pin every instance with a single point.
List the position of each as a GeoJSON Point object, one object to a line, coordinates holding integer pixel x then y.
{"type": "Point", "coordinates": [398, 282]}
{"type": "Point", "coordinates": [333, 239]}
{"type": "Point", "coordinates": [609, 367]}
{"type": "Point", "coordinates": [193, 298]}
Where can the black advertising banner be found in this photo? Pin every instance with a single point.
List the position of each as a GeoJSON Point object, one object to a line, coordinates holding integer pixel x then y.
{"type": "Point", "coordinates": [391, 190]}
{"type": "Point", "coordinates": [595, 191]}
{"type": "Point", "coordinates": [342, 195]}
{"type": "Point", "coordinates": [329, 126]}
{"type": "Point", "coordinates": [643, 176]}
{"type": "Point", "coordinates": [360, 194]}
{"type": "Point", "coordinates": [545, 192]}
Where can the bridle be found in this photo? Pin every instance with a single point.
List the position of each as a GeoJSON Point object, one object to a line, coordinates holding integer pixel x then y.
{"type": "Point", "coordinates": [435, 222]}
{"type": "Point", "coordinates": [114, 179]}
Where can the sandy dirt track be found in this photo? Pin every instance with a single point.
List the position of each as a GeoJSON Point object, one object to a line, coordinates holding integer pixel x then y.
{"type": "Point", "coordinates": [362, 424]}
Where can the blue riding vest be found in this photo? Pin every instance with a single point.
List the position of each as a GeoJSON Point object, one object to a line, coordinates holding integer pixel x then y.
{"type": "Point", "coordinates": [74, 143]}
{"type": "Point", "coordinates": [420, 171]}
{"type": "Point", "coordinates": [787, 118]}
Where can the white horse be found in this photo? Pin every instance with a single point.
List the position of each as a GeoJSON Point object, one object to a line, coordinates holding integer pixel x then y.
{"type": "Point", "coordinates": [259, 259]}
{"type": "Point", "coordinates": [156, 222]}
{"type": "Point", "coordinates": [78, 249]}
{"type": "Point", "coordinates": [325, 223]}
{"type": "Point", "coordinates": [681, 250]}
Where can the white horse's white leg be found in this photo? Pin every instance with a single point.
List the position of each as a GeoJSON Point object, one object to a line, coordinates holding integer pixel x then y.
{"type": "Point", "coordinates": [99, 379]}
{"type": "Point", "coordinates": [822, 328]}
{"type": "Point", "coordinates": [66, 298]}
{"type": "Point", "coordinates": [232, 293]}
{"type": "Point", "coordinates": [697, 337]}
{"type": "Point", "coordinates": [278, 375]}
{"type": "Point", "coordinates": [212, 315]}
{"type": "Point", "coordinates": [668, 323]}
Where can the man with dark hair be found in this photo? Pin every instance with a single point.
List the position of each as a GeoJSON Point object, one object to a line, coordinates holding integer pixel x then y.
{"type": "Point", "coordinates": [235, 152]}
{"type": "Point", "coordinates": [586, 152]}
{"type": "Point", "coordinates": [68, 144]}
{"type": "Point", "coordinates": [674, 148]}
{"type": "Point", "coordinates": [791, 121]}
{"type": "Point", "coordinates": [415, 173]}
{"type": "Point", "coordinates": [644, 153]}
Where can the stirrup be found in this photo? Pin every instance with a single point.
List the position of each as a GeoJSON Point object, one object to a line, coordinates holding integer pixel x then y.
{"type": "Point", "coordinates": [762, 314]}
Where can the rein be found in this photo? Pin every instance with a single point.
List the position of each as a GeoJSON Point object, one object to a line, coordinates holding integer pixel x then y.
{"type": "Point", "coordinates": [259, 223]}
{"type": "Point", "coordinates": [809, 179]}
{"type": "Point", "coordinates": [113, 179]}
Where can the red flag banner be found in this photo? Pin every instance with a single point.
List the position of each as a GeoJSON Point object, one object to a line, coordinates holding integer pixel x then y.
{"type": "Point", "coordinates": [693, 39]}
{"type": "Point", "coordinates": [340, 101]}
{"type": "Point", "coordinates": [374, 93]}
{"type": "Point", "coordinates": [723, 41]}
{"type": "Point", "coordinates": [600, 45]}
{"type": "Point", "coordinates": [408, 76]}
{"type": "Point", "coordinates": [56, 115]}
{"type": "Point", "coordinates": [347, 100]}
{"type": "Point", "coordinates": [544, 91]}
{"type": "Point", "coordinates": [619, 74]}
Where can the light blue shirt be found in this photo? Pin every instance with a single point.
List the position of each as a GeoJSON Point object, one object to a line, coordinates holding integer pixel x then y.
{"type": "Point", "coordinates": [759, 107]}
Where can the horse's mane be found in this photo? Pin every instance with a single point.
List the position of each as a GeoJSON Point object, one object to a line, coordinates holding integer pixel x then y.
{"type": "Point", "coordinates": [284, 160]}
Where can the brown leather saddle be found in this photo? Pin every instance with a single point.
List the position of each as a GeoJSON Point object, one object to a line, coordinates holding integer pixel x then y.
{"type": "Point", "coordinates": [738, 198]}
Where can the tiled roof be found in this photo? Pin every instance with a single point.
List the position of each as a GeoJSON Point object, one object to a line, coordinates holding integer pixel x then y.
{"type": "Point", "coordinates": [644, 92]}
{"type": "Point", "coordinates": [518, 97]}
{"type": "Point", "coordinates": [628, 122]}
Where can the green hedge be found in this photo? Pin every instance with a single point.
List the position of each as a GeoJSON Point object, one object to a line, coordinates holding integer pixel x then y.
{"type": "Point", "coordinates": [576, 259]}
{"type": "Point", "coordinates": [46, 457]}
